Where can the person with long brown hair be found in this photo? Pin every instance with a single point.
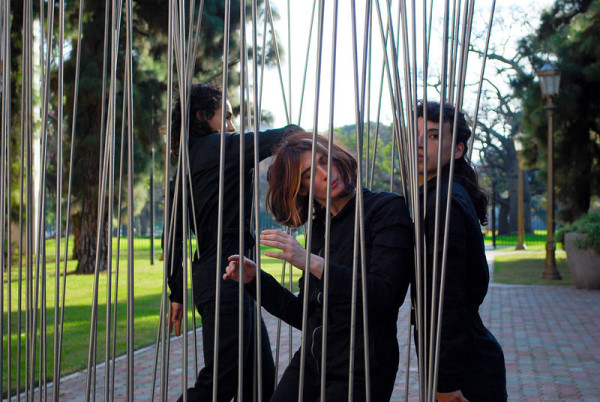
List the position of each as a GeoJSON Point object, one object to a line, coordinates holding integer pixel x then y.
{"type": "Point", "coordinates": [388, 245]}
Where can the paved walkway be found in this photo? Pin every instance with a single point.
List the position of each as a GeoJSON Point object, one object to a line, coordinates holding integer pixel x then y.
{"type": "Point", "coordinates": [550, 336]}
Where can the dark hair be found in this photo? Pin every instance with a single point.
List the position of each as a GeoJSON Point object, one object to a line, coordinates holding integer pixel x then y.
{"type": "Point", "coordinates": [464, 171]}
{"type": "Point", "coordinates": [204, 100]}
{"type": "Point", "coordinates": [285, 178]}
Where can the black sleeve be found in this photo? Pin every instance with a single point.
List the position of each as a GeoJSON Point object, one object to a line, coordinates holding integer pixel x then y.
{"type": "Point", "coordinates": [390, 260]}
{"type": "Point", "coordinates": [173, 250]}
{"type": "Point", "coordinates": [267, 142]}
{"type": "Point", "coordinates": [277, 300]}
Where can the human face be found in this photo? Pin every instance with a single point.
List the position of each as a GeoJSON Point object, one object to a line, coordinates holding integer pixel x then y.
{"type": "Point", "coordinates": [433, 143]}
{"type": "Point", "coordinates": [338, 196]}
{"type": "Point", "coordinates": [215, 121]}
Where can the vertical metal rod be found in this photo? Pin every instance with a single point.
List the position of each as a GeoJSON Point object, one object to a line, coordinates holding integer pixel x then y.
{"type": "Point", "coordinates": [58, 347]}
{"type": "Point", "coordinates": [166, 209]}
{"type": "Point", "coordinates": [308, 238]}
{"type": "Point", "coordinates": [479, 88]}
{"type": "Point", "coordinates": [225, 81]}
{"type": "Point", "coordinates": [6, 186]}
{"type": "Point", "coordinates": [152, 209]}
{"type": "Point", "coordinates": [130, 203]}
{"type": "Point", "coordinates": [325, 277]}
{"type": "Point", "coordinates": [241, 199]}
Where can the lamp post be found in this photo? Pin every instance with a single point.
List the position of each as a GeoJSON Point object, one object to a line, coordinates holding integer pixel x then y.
{"type": "Point", "coordinates": [521, 231]}
{"type": "Point", "coordinates": [549, 77]}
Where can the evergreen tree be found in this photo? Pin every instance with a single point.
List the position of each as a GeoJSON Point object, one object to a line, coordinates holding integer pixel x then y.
{"type": "Point", "coordinates": [570, 32]}
{"type": "Point", "coordinates": [150, 111]}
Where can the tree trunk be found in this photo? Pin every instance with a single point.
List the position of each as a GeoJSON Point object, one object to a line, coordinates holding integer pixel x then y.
{"type": "Point", "coordinates": [89, 229]}
{"type": "Point", "coordinates": [76, 224]}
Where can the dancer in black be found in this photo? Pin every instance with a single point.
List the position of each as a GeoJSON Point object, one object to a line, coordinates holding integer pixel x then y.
{"type": "Point", "coordinates": [471, 363]}
{"type": "Point", "coordinates": [204, 156]}
{"type": "Point", "coordinates": [389, 260]}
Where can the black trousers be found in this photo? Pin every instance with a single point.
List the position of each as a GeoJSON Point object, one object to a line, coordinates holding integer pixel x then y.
{"type": "Point", "coordinates": [336, 387]}
{"type": "Point", "coordinates": [227, 377]}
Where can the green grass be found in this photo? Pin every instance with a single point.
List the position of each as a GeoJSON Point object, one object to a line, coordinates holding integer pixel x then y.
{"type": "Point", "coordinates": [522, 267]}
{"type": "Point", "coordinates": [538, 237]}
{"type": "Point", "coordinates": [148, 281]}
{"type": "Point", "coordinates": [525, 267]}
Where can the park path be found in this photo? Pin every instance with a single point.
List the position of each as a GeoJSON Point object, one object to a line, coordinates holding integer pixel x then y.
{"type": "Point", "coordinates": [550, 336]}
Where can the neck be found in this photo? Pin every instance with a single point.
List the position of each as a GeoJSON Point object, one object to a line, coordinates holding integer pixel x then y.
{"type": "Point", "coordinates": [339, 203]}
{"type": "Point", "coordinates": [429, 177]}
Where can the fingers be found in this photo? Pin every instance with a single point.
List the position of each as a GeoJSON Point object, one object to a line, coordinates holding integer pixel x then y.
{"type": "Point", "coordinates": [278, 239]}
{"type": "Point", "coordinates": [231, 271]}
{"type": "Point", "coordinates": [176, 313]}
{"type": "Point", "coordinates": [275, 254]}
{"type": "Point", "coordinates": [178, 327]}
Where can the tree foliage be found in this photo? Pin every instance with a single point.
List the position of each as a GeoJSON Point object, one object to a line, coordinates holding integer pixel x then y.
{"type": "Point", "coordinates": [570, 33]}
{"type": "Point", "coordinates": [150, 47]}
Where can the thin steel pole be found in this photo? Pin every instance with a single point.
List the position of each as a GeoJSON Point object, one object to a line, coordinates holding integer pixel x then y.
{"type": "Point", "coordinates": [130, 173]}
{"type": "Point", "coordinates": [479, 88]}
{"type": "Point", "coordinates": [226, 38]}
{"type": "Point", "coordinates": [308, 238]}
{"type": "Point", "coordinates": [241, 201]}
{"type": "Point", "coordinates": [325, 277]}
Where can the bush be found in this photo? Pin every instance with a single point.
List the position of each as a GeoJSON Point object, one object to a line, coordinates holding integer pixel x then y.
{"type": "Point", "coordinates": [589, 224]}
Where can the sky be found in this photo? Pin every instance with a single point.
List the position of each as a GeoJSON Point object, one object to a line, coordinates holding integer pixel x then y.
{"type": "Point", "coordinates": [512, 19]}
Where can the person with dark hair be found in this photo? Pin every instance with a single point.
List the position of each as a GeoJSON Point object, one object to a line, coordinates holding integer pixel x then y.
{"type": "Point", "coordinates": [471, 362]}
{"type": "Point", "coordinates": [388, 245]}
{"type": "Point", "coordinates": [205, 116]}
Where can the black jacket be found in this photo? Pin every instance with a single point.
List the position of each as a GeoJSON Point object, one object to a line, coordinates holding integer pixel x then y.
{"type": "Point", "coordinates": [204, 155]}
{"type": "Point", "coordinates": [389, 259]}
{"type": "Point", "coordinates": [471, 359]}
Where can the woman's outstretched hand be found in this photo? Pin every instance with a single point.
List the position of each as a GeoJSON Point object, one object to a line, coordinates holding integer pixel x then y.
{"type": "Point", "coordinates": [232, 270]}
{"type": "Point", "coordinates": [291, 251]}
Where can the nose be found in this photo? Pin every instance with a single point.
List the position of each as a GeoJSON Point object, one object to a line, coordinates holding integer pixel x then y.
{"type": "Point", "coordinates": [322, 170]}
{"type": "Point", "coordinates": [229, 126]}
{"type": "Point", "coordinates": [420, 139]}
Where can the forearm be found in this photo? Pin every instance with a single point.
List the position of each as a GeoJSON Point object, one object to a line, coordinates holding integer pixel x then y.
{"type": "Point", "coordinates": [277, 300]}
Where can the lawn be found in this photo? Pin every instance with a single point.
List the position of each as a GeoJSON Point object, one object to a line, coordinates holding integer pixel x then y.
{"type": "Point", "coordinates": [537, 238]}
{"type": "Point", "coordinates": [525, 266]}
{"type": "Point", "coordinates": [148, 281]}
{"type": "Point", "coordinates": [519, 267]}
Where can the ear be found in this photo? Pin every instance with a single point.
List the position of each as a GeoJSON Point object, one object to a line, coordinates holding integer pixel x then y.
{"type": "Point", "coordinates": [198, 115]}
{"type": "Point", "coordinates": [303, 192]}
{"type": "Point", "coordinates": [460, 150]}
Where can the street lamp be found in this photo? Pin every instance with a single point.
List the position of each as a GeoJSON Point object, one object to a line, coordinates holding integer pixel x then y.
{"type": "Point", "coordinates": [549, 77]}
{"type": "Point", "coordinates": [521, 231]}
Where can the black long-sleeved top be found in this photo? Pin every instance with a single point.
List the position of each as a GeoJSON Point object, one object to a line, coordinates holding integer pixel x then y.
{"type": "Point", "coordinates": [471, 359]}
{"type": "Point", "coordinates": [204, 156]}
{"type": "Point", "coordinates": [389, 260]}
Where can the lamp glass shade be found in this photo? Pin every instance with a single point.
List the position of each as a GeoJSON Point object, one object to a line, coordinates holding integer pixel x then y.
{"type": "Point", "coordinates": [518, 143]}
{"type": "Point", "coordinates": [549, 77]}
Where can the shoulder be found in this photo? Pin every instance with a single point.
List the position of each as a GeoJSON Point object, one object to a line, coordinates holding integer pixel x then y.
{"type": "Point", "coordinates": [460, 196]}
{"type": "Point", "coordinates": [461, 199]}
{"type": "Point", "coordinates": [387, 207]}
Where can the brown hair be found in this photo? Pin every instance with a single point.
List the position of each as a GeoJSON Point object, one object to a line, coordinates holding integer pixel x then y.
{"type": "Point", "coordinates": [284, 176]}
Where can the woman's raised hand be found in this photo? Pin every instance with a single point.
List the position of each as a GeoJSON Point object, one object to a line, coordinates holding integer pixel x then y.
{"type": "Point", "coordinates": [291, 250]}
{"type": "Point", "coordinates": [232, 270]}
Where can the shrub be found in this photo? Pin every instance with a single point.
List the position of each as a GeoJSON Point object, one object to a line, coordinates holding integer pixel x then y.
{"type": "Point", "coordinates": [589, 224]}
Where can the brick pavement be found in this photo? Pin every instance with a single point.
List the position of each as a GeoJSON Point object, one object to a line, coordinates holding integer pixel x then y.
{"type": "Point", "coordinates": [550, 337]}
